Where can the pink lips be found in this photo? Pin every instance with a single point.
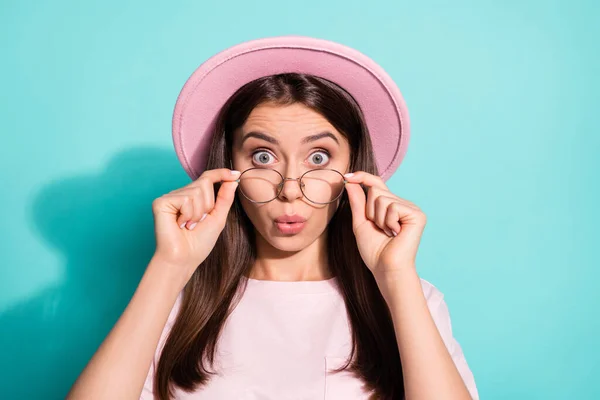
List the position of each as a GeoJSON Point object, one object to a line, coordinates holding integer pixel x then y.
{"type": "Point", "coordinates": [290, 224]}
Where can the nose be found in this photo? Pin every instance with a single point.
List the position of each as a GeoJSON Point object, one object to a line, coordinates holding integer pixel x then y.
{"type": "Point", "coordinates": [290, 189]}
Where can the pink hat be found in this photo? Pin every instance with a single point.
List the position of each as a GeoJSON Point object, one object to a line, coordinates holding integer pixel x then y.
{"type": "Point", "coordinates": [213, 82]}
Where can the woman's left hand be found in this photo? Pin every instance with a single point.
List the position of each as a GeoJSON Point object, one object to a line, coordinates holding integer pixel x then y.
{"type": "Point", "coordinates": [378, 212]}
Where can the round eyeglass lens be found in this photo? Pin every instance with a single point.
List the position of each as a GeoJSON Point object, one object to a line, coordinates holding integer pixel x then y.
{"type": "Point", "coordinates": [323, 185]}
{"type": "Point", "coordinates": [260, 184]}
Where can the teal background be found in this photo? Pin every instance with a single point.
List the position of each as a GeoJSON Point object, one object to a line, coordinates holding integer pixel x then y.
{"type": "Point", "coordinates": [503, 98]}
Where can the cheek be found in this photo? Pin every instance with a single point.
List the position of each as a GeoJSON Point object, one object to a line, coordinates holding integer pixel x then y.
{"type": "Point", "coordinates": [319, 220]}
{"type": "Point", "coordinates": [240, 161]}
{"type": "Point", "coordinates": [253, 211]}
{"type": "Point", "coordinates": [330, 211]}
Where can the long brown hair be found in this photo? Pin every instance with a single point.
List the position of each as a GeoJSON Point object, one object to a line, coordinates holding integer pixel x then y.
{"type": "Point", "coordinates": [216, 285]}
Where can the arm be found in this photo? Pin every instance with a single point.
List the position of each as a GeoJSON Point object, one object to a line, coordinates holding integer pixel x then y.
{"type": "Point", "coordinates": [428, 368]}
{"type": "Point", "coordinates": [120, 365]}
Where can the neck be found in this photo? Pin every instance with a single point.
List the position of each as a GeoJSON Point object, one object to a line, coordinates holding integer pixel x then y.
{"type": "Point", "coordinates": [307, 264]}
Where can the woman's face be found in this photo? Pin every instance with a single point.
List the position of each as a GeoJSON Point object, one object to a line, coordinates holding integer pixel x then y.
{"type": "Point", "coordinates": [281, 138]}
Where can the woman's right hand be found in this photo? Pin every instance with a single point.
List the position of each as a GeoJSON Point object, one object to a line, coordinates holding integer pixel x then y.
{"type": "Point", "coordinates": [188, 221]}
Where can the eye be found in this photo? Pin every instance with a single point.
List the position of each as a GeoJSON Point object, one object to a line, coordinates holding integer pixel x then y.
{"type": "Point", "coordinates": [262, 157]}
{"type": "Point", "coordinates": [320, 157]}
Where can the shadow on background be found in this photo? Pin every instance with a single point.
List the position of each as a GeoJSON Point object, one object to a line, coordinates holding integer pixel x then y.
{"type": "Point", "coordinates": [103, 225]}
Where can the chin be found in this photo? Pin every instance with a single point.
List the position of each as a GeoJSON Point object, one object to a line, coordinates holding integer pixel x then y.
{"type": "Point", "coordinates": [288, 244]}
{"type": "Point", "coordinates": [291, 243]}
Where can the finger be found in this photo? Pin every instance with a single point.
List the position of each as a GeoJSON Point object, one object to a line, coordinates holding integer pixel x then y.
{"type": "Point", "coordinates": [219, 175]}
{"type": "Point", "coordinates": [392, 218]}
{"type": "Point", "coordinates": [208, 179]}
{"type": "Point", "coordinates": [372, 195]}
{"type": "Point", "coordinates": [367, 179]}
{"type": "Point", "coordinates": [382, 204]}
{"type": "Point", "coordinates": [203, 188]}
{"type": "Point", "coordinates": [357, 200]}
{"type": "Point", "coordinates": [407, 203]}
{"type": "Point", "coordinates": [186, 208]}
{"type": "Point", "coordinates": [197, 205]}
{"type": "Point", "coordinates": [378, 187]}
{"type": "Point", "coordinates": [224, 200]}
{"type": "Point", "coordinates": [211, 177]}
{"type": "Point", "coordinates": [196, 199]}
{"type": "Point", "coordinates": [206, 192]}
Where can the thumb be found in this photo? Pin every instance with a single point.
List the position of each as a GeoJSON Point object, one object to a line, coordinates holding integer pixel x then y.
{"type": "Point", "coordinates": [224, 200]}
{"type": "Point", "coordinates": [358, 201]}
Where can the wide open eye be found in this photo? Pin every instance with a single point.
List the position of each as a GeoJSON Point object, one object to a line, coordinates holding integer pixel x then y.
{"type": "Point", "coordinates": [319, 158]}
{"type": "Point", "coordinates": [262, 157]}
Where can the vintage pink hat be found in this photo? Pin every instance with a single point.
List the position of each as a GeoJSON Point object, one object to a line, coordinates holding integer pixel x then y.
{"type": "Point", "coordinates": [213, 82]}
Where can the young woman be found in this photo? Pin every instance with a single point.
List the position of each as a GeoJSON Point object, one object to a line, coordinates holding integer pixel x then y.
{"type": "Point", "coordinates": [286, 268]}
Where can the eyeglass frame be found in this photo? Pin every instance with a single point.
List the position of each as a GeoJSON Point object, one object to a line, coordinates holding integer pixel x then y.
{"type": "Point", "coordinates": [300, 183]}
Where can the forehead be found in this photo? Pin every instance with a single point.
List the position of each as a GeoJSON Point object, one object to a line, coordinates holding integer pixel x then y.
{"type": "Point", "coordinates": [287, 121]}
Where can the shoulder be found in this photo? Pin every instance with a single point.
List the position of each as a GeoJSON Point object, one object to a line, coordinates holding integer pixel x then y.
{"type": "Point", "coordinates": [431, 292]}
{"type": "Point", "coordinates": [441, 317]}
{"type": "Point", "coordinates": [439, 312]}
{"type": "Point", "coordinates": [438, 308]}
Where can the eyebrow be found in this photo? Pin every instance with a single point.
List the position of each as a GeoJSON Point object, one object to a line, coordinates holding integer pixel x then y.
{"type": "Point", "coordinates": [307, 139]}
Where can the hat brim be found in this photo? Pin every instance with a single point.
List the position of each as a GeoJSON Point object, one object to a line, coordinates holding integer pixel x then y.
{"type": "Point", "coordinates": [213, 82]}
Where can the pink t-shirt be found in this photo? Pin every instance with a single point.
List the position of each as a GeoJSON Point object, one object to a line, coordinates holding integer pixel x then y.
{"type": "Point", "coordinates": [282, 339]}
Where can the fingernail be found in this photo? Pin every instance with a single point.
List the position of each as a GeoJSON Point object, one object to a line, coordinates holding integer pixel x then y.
{"type": "Point", "coordinates": [387, 232]}
{"type": "Point", "coordinates": [234, 172]}
{"type": "Point", "coordinates": [349, 175]}
{"type": "Point", "coordinates": [394, 233]}
{"type": "Point", "coordinates": [182, 225]}
{"type": "Point", "coordinates": [203, 216]}
{"type": "Point", "coordinates": [192, 226]}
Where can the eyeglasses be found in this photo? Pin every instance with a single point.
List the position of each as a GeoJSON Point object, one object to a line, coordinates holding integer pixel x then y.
{"type": "Point", "coordinates": [319, 186]}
